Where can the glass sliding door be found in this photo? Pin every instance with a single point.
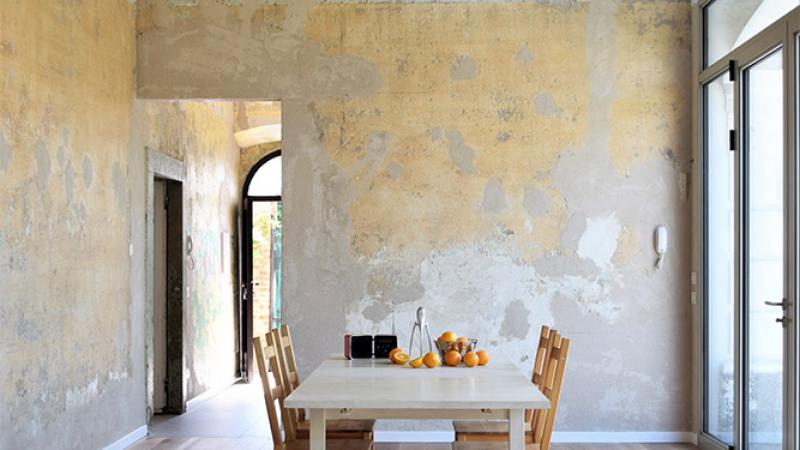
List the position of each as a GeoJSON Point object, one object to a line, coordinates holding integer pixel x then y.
{"type": "Point", "coordinates": [748, 135]}
{"type": "Point", "coordinates": [720, 204]}
{"type": "Point", "coordinates": [764, 257]}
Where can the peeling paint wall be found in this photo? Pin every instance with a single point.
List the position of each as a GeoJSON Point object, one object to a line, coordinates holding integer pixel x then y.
{"type": "Point", "coordinates": [502, 163]}
{"type": "Point", "coordinates": [71, 363]}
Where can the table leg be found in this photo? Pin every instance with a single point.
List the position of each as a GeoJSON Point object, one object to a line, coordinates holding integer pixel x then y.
{"type": "Point", "coordinates": [516, 429]}
{"type": "Point", "coordinates": [317, 431]}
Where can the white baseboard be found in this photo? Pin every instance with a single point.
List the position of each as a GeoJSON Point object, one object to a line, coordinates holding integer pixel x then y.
{"type": "Point", "coordinates": [625, 437]}
{"type": "Point", "coordinates": [210, 393]}
{"type": "Point", "coordinates": [127, 440]}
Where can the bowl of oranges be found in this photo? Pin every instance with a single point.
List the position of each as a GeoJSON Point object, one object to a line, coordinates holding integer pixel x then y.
{"type": "Point", "coordinates": [455, 350]}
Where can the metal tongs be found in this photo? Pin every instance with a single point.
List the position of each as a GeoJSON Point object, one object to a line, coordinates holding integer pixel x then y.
{"type": "Point", "coordinates": [422, 325]}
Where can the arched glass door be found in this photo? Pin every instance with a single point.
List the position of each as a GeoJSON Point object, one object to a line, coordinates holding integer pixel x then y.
{"type": "Point", "coordinates": [262, 232]}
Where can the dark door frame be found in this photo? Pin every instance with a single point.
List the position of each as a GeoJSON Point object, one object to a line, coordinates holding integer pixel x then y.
{"type": "Point", "coordinates": [246, 272]}
{"type": "Point", "coordinates": [161, 166]}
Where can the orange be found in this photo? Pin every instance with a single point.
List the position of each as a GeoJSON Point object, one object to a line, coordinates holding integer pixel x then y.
{"type": "Point", "coordinates": [483, 358]}
{"type": "Point", "coordinates": [448, 336]}
{"type": "Point", "coordinates": [452, 358]}
{"type": "Point", "coordinates": [401, 358]}
{"type": "Point", "coordinates": [471, 359]}
{"type": "Point", "coordinates": [431, 359]}
{"type": "Point", "coordinates": [416, 363]}
{"type": "Point", "coordinates": [463, 339]}
{"type": "Point", "coordinates": [393, 352]}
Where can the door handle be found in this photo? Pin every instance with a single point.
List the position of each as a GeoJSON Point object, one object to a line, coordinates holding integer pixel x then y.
{"type": "Point", "coordinates": [783, 304]}
{"type": "Point", "coordinates": [784, 321]}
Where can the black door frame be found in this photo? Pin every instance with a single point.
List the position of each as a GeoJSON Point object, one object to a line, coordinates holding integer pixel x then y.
{"type": "Point", "coordinates": [246, 273]}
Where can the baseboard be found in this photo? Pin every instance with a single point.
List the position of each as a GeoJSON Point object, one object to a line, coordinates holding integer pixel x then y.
{"type": "Point", "coordinates": [210, 393]}
{"type": "Point", "coordinates": [127, 440]}
{"type": "Point", "coordinates": [625, 437]}
{"type": "Point", "coordinates": [414, 436]}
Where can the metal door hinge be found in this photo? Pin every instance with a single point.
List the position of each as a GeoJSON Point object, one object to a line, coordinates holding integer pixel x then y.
{"type": "Point", "coordinates": [732, 70]}
{"type": "Point", "coordinates": [732, 140]}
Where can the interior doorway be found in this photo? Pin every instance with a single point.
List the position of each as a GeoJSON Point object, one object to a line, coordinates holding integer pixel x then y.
{"type": "Point", "coordinates": [160, 298]}
{"type": "Point", "coordinates": [262, 231]}
{"type": "Point", "coordinates": [165, 285]}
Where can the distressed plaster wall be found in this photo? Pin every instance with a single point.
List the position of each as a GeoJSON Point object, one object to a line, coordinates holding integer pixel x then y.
{"type": "Point", "coordinates": [201, 135]}
{"type": "Point", "coordinates": [72, 186]}
{"type": "Point", "coordinates": [502, 163]}
{"type": "Point", "coordinates": [71, 363]}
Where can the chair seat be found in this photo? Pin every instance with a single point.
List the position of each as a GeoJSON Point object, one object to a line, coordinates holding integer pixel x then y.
{"type": "Point", "coordinates": [340, 429]}
{"type": "Point", "coordinates": [338, 444]}
{"type": "Point", "coordinates": [485, 426]}
{"type": "Point", "coordinates": [460, 445]}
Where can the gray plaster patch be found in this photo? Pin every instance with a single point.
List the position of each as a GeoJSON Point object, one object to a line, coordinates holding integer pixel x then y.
{"type": "Point", "coordinates": [87, 168]}
{"type": "Point", "coordinates": [80, 211]}
{"type": "Point", "coordinates": [515, 324]}
{"type": "Point", "coordinates": [464, 68]}
{"type": "Point", "coordinates": [376, 312]}
{"type": "Point", "coordinates": [119, 182]}
{"type": "Point", "coordinates": [546, 105]}
{"type": "Point", "coordinates": [394, 170]}
{"type": "Point", "coordinates": [576, 225]}
{"type": "Point", "coordinates": [462, 155]}
{"type": "Point", "coordinates": [43, 164]}
{"type": "Point", "coordinates": [565, 265]}
{"type": "Point", "coordinates": [69, 181]}
{"type": "Point", "coordinates": [437, 134]}
{"type": "Point", "coordinates": [524, 55]}
{"type": "Point", "coordinates": [494, 199]}
{"type": "Point", "coordinates": [405, 293]}
{"type": "Point", "coordinates": [535, 201]}
{"type": "Point", "coordinates": [5, 152]}
{"type": "Point", "coordinates": [378, 142]}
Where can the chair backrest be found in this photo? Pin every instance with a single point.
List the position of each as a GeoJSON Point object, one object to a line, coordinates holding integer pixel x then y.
{"type": "Point", "coordinates": [266, 355]}
{"type": "Point", "coordinates": [290, 361]}
{"type": "Point", "coordinates": [288, 364]}
{"type": "Point", "coordinates": [542, 350]}
{"type": "Point", "coordinates": [544, 421]}
{"type": "Point", "coordinates": [540, 360]}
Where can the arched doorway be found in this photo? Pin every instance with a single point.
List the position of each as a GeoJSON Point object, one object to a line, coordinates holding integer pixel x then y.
{"type": "Point", "coordinates": [261, 254]}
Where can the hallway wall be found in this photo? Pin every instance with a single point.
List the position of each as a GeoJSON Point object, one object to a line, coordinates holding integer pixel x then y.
{"type": "Point", "coordinates": [71, 362]}
{"type": "Point", "coordinates": [502, 163]}
{"type": "Point", "coordinates": [72, 220]}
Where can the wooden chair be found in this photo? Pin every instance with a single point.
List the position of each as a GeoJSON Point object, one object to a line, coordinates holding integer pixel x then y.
{"type": "Point", "coordinates": [266, 353]}
{"type": "Point", "coordinates": [543, 420]}
{"type": "Point", "coordinates": [497, 430]}
{"type": "Point", "coordinates": [335, 429]}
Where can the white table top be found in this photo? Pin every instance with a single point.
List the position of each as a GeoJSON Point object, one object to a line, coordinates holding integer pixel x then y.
{"type": "Point", "coordinates": [378, 384]}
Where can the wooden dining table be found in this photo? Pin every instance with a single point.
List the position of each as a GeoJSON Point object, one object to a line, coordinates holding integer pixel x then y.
{"type": "Point", "coordinates": [376, 389]}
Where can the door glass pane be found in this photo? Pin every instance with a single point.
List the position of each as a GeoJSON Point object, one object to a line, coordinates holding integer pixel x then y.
{"type": "Point", "coordinates": [267, 180]}
{"type": "Point", "coordinates": [763, 103]}
{"type": "Point", "coordinates": [729, 23]}
{"type": "Point", "coordinates": [720, 276]}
